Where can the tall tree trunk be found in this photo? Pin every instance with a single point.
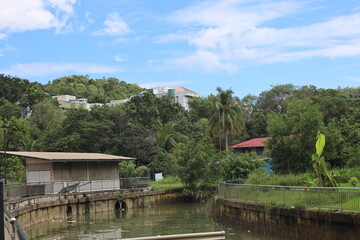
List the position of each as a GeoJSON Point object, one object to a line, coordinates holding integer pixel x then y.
{"type": "Point", "coordinates": [226, 140]}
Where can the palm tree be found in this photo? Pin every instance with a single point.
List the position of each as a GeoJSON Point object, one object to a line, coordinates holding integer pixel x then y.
{"type": "Point", "coordinates": [227, 116]}
{"type": "Point", "coordinates": [167, 137]}
{"type": "Point", "coordinates": [167, 140]}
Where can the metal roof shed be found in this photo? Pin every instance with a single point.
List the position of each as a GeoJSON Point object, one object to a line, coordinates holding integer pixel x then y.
{"type": "Point", "coordinates": [70, 167]}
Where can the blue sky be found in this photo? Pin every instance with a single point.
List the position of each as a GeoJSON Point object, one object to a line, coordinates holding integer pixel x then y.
{"type": "Point", "coordinates": [245, 45]}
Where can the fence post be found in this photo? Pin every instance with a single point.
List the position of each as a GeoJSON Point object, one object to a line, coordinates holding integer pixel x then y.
{"type": "Point", "coordinates": [2, 223]}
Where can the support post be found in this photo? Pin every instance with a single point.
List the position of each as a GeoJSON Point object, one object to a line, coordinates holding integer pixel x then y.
{"type": "Point", "coordinates": [2, 222]}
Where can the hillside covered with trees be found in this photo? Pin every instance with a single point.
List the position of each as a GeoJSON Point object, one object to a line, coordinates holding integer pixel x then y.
{"type": "Point", "coordinates": [190, 144]}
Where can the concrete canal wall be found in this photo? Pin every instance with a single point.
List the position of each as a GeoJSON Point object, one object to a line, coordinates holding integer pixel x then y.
{"type": "Point", "coordinates": [293, 223]}
{"type": "Point", "coordinates": [44, 208]}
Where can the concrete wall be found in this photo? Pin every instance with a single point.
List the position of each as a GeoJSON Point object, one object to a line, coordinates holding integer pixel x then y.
{"type": "Point", "coordinates": [293, 223]}
{"type": "Point", "coordinates": [46, 208]}
{"type": "Point", "coordinates": [70, 171]}
{"type": "Point", "coordinates": [85, 171]}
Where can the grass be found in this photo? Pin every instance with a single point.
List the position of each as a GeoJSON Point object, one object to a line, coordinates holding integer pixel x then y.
{"type": "Point", "coordinates": [306, 198]}
{"type": "Point", "coordinates": [166, 183]}
{"type": "Point", "coordinates": [347, 200]}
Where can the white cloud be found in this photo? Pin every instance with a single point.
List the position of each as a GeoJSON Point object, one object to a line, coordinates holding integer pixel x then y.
{"type": "Point", "coordinates": [114, 26]}
{"type": "Point", "coordinates": [49, 68]}
{"type": "Point", "coordinates": [6, 48]}
{"type": "Point", "coordinates": [63, 5]}
{"type": "Point", "coordinates": [88, 18]}
{"type": "Point", "coordinates": [230, 33]}
{"type": "Point", "coordinates": [239, 13]}
{"type": "Point", "coordinates": [119, 58]}
{"type": "Point", "coordinates": [354, 79]}
{"type": "Point", "coordinates": [27, 15]}
{"type": "Point", "coordinates": [205, 60]}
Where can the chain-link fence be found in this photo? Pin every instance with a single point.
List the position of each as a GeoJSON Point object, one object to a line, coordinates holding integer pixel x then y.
{"type": "Point", "coordinates": [309, 197]}
{"type": "Point", "coordinates": [21, 190]}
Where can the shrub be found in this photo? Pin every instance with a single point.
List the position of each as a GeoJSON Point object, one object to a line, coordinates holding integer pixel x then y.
{"type": "Point", "coordinates": [353, 181]}
{"type": "Point", "coordinates": [126, 169]}
{"type": "Point", "coordinates": [261, 177]}
{"type": "Point", "coordinates": [141, 171]}
{"type": "Point", "coordinates": [344, 174]}
{"type": "Point", "coordinates": [239, 167]}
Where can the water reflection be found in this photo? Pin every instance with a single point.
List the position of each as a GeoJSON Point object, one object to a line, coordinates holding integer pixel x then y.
{"type": "Point", "coordinates": [159, 220]}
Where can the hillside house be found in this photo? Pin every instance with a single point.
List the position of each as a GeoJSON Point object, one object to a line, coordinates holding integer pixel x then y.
{"type": "Point", "coordinates": [180, 95]}
{"type": "Point", "coordinates": [67, 102]}
{"type": "Point", "coordinates": [253, 145]}
{"type": "Point", "coordinates": [256, 145]}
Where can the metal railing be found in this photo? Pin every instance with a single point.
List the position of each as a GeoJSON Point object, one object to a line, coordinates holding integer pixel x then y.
{"type": "Point", "coordinates": [13, 229]}
{"type": "Point", "coordinates": [22, 190]}
{"type": "Point", "coordinates": [292, 196]}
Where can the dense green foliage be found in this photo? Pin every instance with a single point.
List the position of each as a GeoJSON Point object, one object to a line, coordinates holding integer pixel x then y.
{"type": "Point", "coordinates": [198, 165]}
{"type": "Point", "coordinates": [187, 144]}
{"type": "Point", "coordinates": [261, 177]}
{"type": "Point", "coordinates": [95, 90]}
{"type": "Point", "coordinates": [239, 167]}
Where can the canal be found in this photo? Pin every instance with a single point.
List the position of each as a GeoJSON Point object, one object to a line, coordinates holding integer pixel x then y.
{"type": "Point", "coordinates": [140, 222]}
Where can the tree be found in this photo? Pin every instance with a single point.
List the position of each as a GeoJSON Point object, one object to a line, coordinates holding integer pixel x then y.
{"type": "Point", "coordinates": [46, 115]}
{"type": "Point", "coordinates": [8, 110]}
{"type": "Point", "coordinates": [15, 169]}
{"type": "Point", "coordinates": [12, 88]}
{"type": "Point", "coordinates": [95, 90]}
{"type": "Point", "coordinates": [18, 134]}
{"type": "Point", "coordinates": [167, 139]}
{"type": "Point", "coordinates": [202, 107]}
{"type": "Point", "coordinates": [239, 167]}
{"type": "Point", "coordinates": [256, 125]}
{"type": "Point", "coordinates": [126, 169]}
{"type": "Point", "coordinates": [226, 119]}
{"type": "Point", "coordinates": [148, 110]}
{"type": "Point", "coordinates": [274, 100]}
{"type": "Point", "coordinates": [292, 136]}
{"type": "Point", "coordinates": [198, 165]}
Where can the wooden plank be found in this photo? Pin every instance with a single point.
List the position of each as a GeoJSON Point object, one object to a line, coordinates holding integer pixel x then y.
{"type": "Point", "coordinates": [181, 236]}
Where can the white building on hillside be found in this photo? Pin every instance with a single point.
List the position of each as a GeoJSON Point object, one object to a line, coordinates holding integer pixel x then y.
{"type": "Point", "coordinates": [67, 102]}
{"type": "Point", "coordinates": [179, 95]}
{"type": "Point", "coordinates": [183, 95]}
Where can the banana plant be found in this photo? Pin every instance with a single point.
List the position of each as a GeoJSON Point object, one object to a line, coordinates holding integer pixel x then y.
{"type": "Point", "coordinates": [319, 163]}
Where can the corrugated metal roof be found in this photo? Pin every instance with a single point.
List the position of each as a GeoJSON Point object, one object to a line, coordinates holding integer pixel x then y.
{"type": "Point", "coordinates": [256, 142]}
{"type": "Point", "coordinates": [69, 157]}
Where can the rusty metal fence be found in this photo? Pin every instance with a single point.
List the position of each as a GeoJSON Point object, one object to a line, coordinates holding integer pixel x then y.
{"type": "Point", "coordinates": [292, 196]}
{"type": "Point", "coordinates": [22, 190]}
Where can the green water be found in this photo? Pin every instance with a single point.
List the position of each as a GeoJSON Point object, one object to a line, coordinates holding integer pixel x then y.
{"type": "Point", "coordinates": [158, 220]}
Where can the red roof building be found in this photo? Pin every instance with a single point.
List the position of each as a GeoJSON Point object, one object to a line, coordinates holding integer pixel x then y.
{"type": "Point", "coordinates": [256, 145]}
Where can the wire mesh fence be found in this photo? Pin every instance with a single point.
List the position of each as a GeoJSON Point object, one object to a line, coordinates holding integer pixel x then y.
{"type": "Point", "coordinates": [22, 190]}
{"type": "Point", "coordinates": [309, 197]}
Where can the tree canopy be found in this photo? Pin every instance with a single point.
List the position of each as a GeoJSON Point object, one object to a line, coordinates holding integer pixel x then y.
{"type": "Point", "coordinates": [167, 138]}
